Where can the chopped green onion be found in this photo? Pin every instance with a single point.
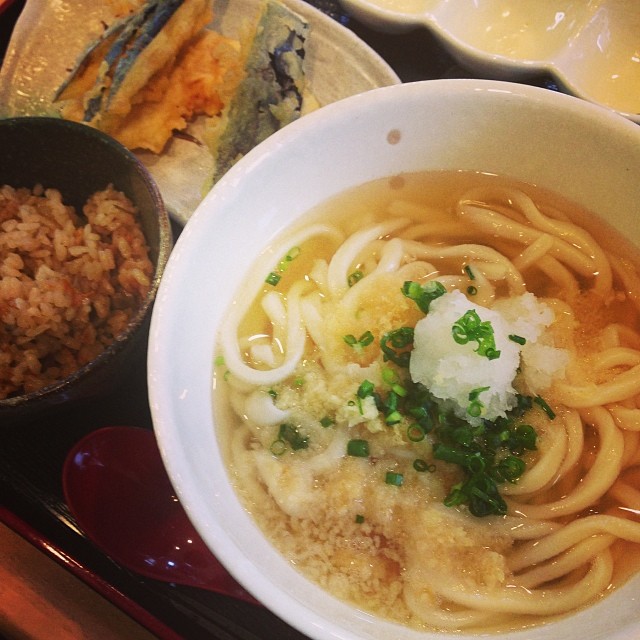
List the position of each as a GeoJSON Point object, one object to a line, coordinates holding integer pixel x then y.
{"type": "Point", "coordinates": [359, 518]}
{"type": "Point", "coordinates": [290, 434]}
{"type": "Point", "coordinates": [391, 403]}
{"type": "Point", "coordinates": [358, 448]}
{"type": "Point", "coordinates": [423, 295]}
{"type": "Point", "coordinates": [273, 278]}
{"type": "Point", "coordinates": [475, 409]}
{"type": "Point", "coordinates": [292, 254]}
{"type": "Point", "coordinates": [366, 338]}
{"type": "Point", "coordinates": [456, 496]}
{"type": "Point", "coordinates": [399, 390]}
{"type": "Point", "coordinates": [509, 469]}
{"type": "Point", "coordinates": [475, 406]}
{"type": "Point", "coordinates": [471, 290]}
{"type": "Point", "coordinates": [327, 421]}
{"type": "Point", "coordinates": [415, 432]}
{"type": "Point", "coordinates": [469, 272]}
{"type": "Point", "coordinates": [393, 418]}
{"type": "Point", "coordinates": [486, 501]}
{"type": "Point", "coordinates": [545, 407]}
{"type": "Point", "coordinates": [273, 393]}
{"type": "Point", "coordinates": [355, 277]}
{"type": "Point", "coordinates": [365, 389]}
{"type": "Point", "coordinates": [358, 343]}
{"type": "Point", "coordinates": [422, 466]}
{"type": "Point", "coordinates": [278, 447]}
{"type": "Point", "coordinates": [394, 478]}
{"type": "Point", "coordinates": [398, 339]}
{"type": "Point", "coordinates": [450, 454]}
{"type": "Point", "coordinates": [469, 327]}
{"type": "Point", "coordinates": [517, 339]}
{"type": "Point", "coordinates": [389, 376]}
{"type": "Point", "coordinates": [526, 436]}
{"type": "Point", "coordinates": [476, 463]}
{"type": "Point", "coordinates": [219, 361]}
{"type": "Point", "coordinates": [474, 393]}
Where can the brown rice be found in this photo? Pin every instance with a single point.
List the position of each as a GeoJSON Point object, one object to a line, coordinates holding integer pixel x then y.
{"type": "Point", "coordinates": [69, 283]}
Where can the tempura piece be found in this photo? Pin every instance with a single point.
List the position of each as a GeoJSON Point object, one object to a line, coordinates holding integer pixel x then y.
{"type": "Point", "coordinates": [272, 92]}
{"type": "Point", "coordinates": [144, 78]}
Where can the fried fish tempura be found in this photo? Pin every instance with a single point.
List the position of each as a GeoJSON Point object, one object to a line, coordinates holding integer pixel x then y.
{"type": "Point", "coordinates": [152, 72]}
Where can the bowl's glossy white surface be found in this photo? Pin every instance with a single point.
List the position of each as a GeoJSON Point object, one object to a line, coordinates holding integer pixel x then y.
{"type": "Point", "coordinates": [582, 151]}
{"type": "Point", "coordinates": [591, 47]}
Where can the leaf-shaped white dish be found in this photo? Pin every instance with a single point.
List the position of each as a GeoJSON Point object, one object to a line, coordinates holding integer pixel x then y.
{"type": "Point", "coordinates": [51, 35]}
{"type": "Point", "coordinates": [591, 47]}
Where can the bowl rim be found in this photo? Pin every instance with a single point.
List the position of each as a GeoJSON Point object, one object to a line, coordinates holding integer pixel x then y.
{"type": "Point", "coordinates": [170, 404]}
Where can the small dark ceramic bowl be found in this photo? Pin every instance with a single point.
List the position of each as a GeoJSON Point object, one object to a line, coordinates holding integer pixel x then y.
{"type": "Point", "coordinates": [78, 161]}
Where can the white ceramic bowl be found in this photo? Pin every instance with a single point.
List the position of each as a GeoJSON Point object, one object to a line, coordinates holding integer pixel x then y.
{"type": "Point", "coordinates": [586, 153]}
{"type": "Point", "coordinates": [590, 48]}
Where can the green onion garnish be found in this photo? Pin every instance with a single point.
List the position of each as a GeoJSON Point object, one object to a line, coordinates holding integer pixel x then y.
{"type": "Point", "coordinates": [469, 327]}
{"type": "Point", "coordinates": [423, 295]}
{"type": "Point", "coordinates": [487, 453]}
{"type": "Point", "coordinates": [517, 339]}
{"type": "Point", "coordinates": [415, 432]}
{"type": "Point", "coordinates": [393, 418]}
{"type": "Point", "coordinates": [475, 406]}
{"type": "Point", "coordinates": [292, 254]}
{"type": "Point", "coordinates": [525, 437]}
{"type": "Point", "coordinates": [421, 466]}
{"type": "Point", "coordinates": [545, 407]}
{"type": "Point", "coordinates": [365, 389]}
{"type": "Point", "coordinates": [278, 447]}
{"type": "Point", "coordinates": [394, 478]}
{"type": "Point", "coordinates": [392, 342]}
{"type": "Point", "coordinates": [273, 278]}
{"type": "Point", "coordinates": [358, 448]}
{"type": "Point", "coordinates": [399, 390]}
{"type": "Point", "coordinates": [358, 343]}
{"type": "Point", "coordinates": [354, 277]}
{"type": "Point", "coordinates": [509, 469]}
{"type": "Point", "coordinates": [359, 519]}
{"type": "Point", "coordinates": [290, 434]}
{"type": "Point", "coordinates": [389, 376]}
{"type": "Point", "coordinates": [327, 422]}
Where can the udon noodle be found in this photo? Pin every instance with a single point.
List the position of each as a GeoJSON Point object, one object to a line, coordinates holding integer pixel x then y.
{"type": "Point", "coordinates": [305, 372]}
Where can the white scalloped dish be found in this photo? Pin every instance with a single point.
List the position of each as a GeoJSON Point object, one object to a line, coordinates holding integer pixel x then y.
{"type": "Point", "coordinates": [591, 47]}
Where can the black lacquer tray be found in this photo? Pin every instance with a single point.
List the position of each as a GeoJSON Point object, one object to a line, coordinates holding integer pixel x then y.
{"type": "Point", "coordinates": [31, 456]}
